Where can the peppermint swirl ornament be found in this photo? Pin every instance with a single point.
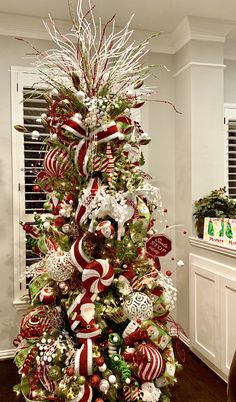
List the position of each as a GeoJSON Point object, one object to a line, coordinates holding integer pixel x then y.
{"type": "Point", "coordinates": [56, 163]}
{"type": "Point", "coordinates": [97, 276]}
{"type": "Point", "coordinates": [138, 306]}
{"type": "Point", "coordinates": [59, 266]}
{"type": "Point", "coordinates": [149, 362]}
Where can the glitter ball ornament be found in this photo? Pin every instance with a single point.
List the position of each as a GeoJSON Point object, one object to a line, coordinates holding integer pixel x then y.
{"type": "Point", "coordinates": [138, 306]}
{"type": "Point", "coordinates": [59, 266]}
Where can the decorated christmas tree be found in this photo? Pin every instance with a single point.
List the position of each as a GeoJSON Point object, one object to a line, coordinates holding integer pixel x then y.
{"type": "Point", "coordinates": [97, 328]}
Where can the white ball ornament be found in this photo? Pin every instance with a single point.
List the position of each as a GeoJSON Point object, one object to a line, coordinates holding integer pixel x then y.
{"type": "Point", "coordinates": [53, 137]}
{"type": "Point", "coordinates": [112, 379]}
{"type": "Point", "coordinates": [138, 306]}
{"type": "Point", "coordinates": [59, 266]}
{"type": "Point", "coordinates": [54, 93]}
{"type": "Point", "coordinates": [35, 135]}
{"type": "Point", "coordinates": [102, 368]}
{"type": "Point", "coordinates": [80, 95]}
{"type": "Point", "coordinates": [46, 225]}
{"type": "Point", "coordinates": [62, 212]}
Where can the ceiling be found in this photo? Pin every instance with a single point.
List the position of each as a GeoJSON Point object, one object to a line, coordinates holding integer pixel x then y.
{"type": "Point", "coordinates": [150, 15]}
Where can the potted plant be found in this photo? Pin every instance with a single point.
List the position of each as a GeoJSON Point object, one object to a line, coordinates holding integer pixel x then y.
{"type": "Point", "coordinates": [217, 204]}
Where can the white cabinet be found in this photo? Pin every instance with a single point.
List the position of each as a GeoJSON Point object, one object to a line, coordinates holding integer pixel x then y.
{"type": "Point", "coordinates": [213, 311]}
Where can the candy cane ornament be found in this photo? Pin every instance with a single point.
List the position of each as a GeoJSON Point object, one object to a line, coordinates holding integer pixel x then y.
{"type": "Point", "coordinates": [84, 359]}
{"type": "Point", "coordinates": [77, 254]}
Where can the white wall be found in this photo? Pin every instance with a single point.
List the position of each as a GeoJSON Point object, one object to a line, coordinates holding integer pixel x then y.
{"type": "Point", "coordinates": [12, 53]}
{"type": "Point", "coordinates": [230, 81]}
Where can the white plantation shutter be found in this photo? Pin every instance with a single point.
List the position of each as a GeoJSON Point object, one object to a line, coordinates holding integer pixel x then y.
{"type": "Point", "coordinates": [27, 160]}
{"type": "Point", "coordinates": [230, 130]}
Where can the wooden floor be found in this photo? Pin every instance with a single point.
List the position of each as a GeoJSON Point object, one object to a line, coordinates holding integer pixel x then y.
{"type": "Point", "coordinates": [196, 383]}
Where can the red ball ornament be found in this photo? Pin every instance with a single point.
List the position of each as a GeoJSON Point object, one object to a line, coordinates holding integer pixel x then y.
{"type": "Point", "coordinates": [70, 371]}
{"type": "Point", "coordinates": [94, 380]}
{"type": "Point", "coordinates": [34, 387]}
{"type": "Point", "coordinates": [99, 400]}
{"type": "Point", "coordinates": [100, 361]}
{"type": "Point", "coordinates": [168, 273]}
{"type": "Point", "coordinates": [69, 198]}
{"type": "Point", "coordinates": [36, 189]}
{"type": "Point", "coordinates": [165, 210]}
{"type": "Point", "coordinates": [47, 295]}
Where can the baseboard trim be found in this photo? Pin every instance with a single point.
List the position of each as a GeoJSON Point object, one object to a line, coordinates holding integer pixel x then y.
{"type": "Point", "coordinates": [7, 354]}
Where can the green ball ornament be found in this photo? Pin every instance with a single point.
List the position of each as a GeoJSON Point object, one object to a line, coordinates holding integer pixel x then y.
{"type": "Point", "coordinates": [55, 373]}
{"type": "Point", "coordinates": [75, 387]}
{"type": "Point", "coordinates": [81, 380]}
{"type": "Point", "coordinates": [47, 205]}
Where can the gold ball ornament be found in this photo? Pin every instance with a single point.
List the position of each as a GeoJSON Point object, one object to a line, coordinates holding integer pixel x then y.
{"type": "Point", "coordinates": [55, 373]}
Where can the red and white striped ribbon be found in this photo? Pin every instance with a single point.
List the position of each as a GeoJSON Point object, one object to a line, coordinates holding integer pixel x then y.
{"type": "Point", "coordinates": [81, 157]}
{"type": "Point", "coordinates": [75, 126]}
{"type": "Point", "coordinates": [42, 371]}
{"type": "Point", "coordinates": [91, 190]}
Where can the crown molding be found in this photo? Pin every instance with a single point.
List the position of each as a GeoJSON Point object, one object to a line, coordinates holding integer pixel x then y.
{"type": "Point", "coordinates": [230, 50]}
{"type": "Point", "coordinates": [197, 64]}
{"type": "Point", "coordinates": [33, 27]}
{"type": "Point", "coordinates": [202, 29]}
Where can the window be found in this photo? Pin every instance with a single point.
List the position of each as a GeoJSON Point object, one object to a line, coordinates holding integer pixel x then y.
{"type": "Point", "coordinates": [230, 133]}
{"type": "Point", "coordinates": [27, 159]}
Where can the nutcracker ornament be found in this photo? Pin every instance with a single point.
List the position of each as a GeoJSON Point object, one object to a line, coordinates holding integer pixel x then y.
{"type": "Point", "coordinates": [96, 330]}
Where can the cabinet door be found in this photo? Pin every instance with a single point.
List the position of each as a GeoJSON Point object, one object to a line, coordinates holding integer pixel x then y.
{"type": "Point", "coordinates": [204, 311]}
{"type": "Point", "coordinates": [228, 316]}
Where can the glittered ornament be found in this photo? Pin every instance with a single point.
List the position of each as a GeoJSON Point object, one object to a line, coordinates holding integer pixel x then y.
{"type": "Point", "coordinates": [35, 322]}
{"type": "Point", "coordinates": [94, 380]}
{"type": "Point", "coordinates": [59, 266]}
{"type": "Point", "coordinates": [149, 362]}
{"type": "Point", "coordinates": [105, 229]}
{"type": "Point", "coordinates": [55, 373]}
{"type": "Point", "coordinates": [138, 306]}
